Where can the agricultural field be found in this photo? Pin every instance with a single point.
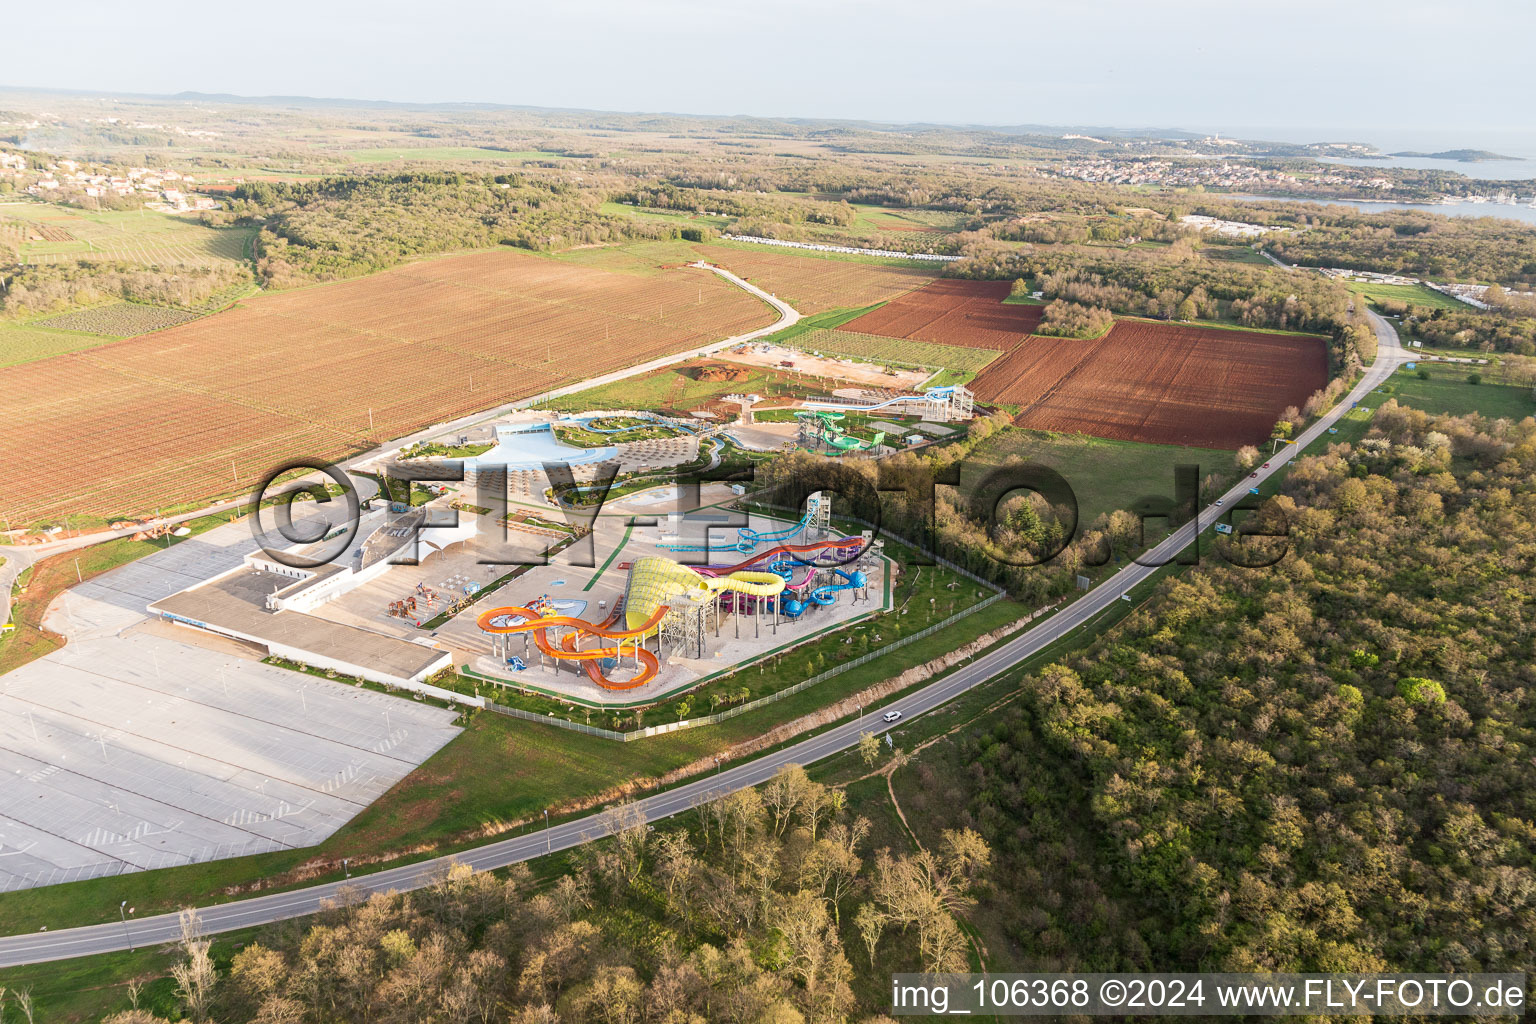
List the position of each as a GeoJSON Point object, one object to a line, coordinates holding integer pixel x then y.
{"type": "Point", "coordinates": [118, 319]}
{"type": "Point", "coordinates": [26, 343]}
{"type": "Point", "coordinates": [674, 217]}
{"type": "Point", "coordinates": [695, 384]}
{"type": "Point", "coordinates": [811, 282]}
{"type": "Point", "coordinates": [897, 351]}
{"type": "Point", "coordinates": [1231, 253]}
{"type": "Point", "coordinates": [881, 218]}
{"type": "Point", "coordinates": [206, 409]}
{"type": "Point", "coordinates": [971, 314]}
{"type": "Point", "coordinates": [1158, 382]}
{"type": "Point", "coordinates": [815, 283]}
{"type": "Point", "coordinates": [52, 233]}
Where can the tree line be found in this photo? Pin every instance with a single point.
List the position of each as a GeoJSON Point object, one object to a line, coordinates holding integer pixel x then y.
{"type": "Point", "coordinates": [766, 905]}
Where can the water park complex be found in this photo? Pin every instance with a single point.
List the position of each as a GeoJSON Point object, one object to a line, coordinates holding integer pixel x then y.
{"type": "Point", "coordinates": [634, 604]}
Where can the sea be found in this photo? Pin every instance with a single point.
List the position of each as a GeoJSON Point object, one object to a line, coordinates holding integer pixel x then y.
{"type": "Point", "coordinates": [1516, 198]}
{"type": "Point", "coordinates": [1520, 144]}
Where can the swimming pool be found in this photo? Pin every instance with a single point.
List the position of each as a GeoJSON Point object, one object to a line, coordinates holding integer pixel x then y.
{"type": "Point", "coordinates": [531, 445]}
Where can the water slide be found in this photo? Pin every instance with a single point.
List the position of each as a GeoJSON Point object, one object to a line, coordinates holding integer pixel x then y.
{"type": "Point", "coordinates": [793, 550]}
{"type": "Point", "coordinates": [835, 436]}
{"type": "Point", "coordinates": [932, 395]}
{"type": "Point", "coordinates": [845, 443]}
{"type": "Point", "coordinates": [825, 594]}
{"type": "Point", "coordinates": [748, 538]}
{"type": "Point", "coordinates": [695, 587]}
{"type": "Point", "coordinates": [567, 650]}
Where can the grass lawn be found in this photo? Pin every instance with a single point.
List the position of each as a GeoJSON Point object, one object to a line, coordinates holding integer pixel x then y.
{"type": "Point", "coordinates": [65, 991]}
{"type": "Point", "coordinates": [1105, 475]}
{"type": "Point", "coordinates": [678, 388]}
{"type": "Point", "coordinates": [1413, 294]}
{"type": "Point", "coordinates": [884, 219]}
{"type": "Point", "coordinates": [873, 348]}
{"type": "Point", "coordinates": [25, 343]}
{"type": "Point", "coordinates": [432, 449]}
{"type": "Point", "coordinates": [1233, 254]}
{"type": "Point", "coordinates": [583, 438]}
{"type": "Point", "coordinates": [92, 987]}
{"type": "Point", "coordinates": [1448, 391]}
{"type": "Point", "coordinates": [136, 236]}
{"type": "Point", "coordinates": [677, 217]}
{"type": "Point", "coordinates": [52, 576]}
{"type": "Point", "coordinates": [508, 770]}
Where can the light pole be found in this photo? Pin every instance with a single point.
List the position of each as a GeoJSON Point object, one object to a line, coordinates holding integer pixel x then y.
{"type": "Point", "coordinates": [345, 873]}
{"type": "Point", "coordinates": [121, 913]}
{"type": "Point", "coordinates": [546, 832]}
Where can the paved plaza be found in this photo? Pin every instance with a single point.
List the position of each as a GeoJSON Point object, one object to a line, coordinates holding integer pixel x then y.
{"type": "Point", "coordinates": [131, 748]}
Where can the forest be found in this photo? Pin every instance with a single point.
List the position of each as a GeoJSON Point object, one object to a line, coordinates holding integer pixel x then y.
{"type": "Point", "coordinates": [1510, 326]}
{"type": "Point", "coordinates": [35, 288]}
{"type": "Point", "coordinates": [767, 905]}
{"type": "Point", "coordinates": [350, 226]}
{"type": "Point", "coordinates": [1318, 767]}
{"type": "Point", "coordinates": [1416, 244]}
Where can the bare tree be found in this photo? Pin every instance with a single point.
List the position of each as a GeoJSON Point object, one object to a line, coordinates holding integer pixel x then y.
{"type": "Point", "coordinates": [871, 925]}
{"type": "Point", "coordinates": [195, 977]}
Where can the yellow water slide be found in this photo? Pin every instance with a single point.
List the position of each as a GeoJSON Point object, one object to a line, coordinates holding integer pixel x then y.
{"type": "Point", "coordinates": [654, 581]}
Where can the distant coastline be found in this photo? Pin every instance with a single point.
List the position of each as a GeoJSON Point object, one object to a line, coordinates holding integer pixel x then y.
{"type": "Point", "coordinates": [1466, 156]}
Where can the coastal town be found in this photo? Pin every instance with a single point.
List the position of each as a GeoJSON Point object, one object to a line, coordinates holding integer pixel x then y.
{"type": "Point", "coordinates": [1209, 174]}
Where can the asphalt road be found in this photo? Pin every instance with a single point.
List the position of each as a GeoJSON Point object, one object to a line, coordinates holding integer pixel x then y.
{"type": "Point", "coordinates": [104, 938]}
{"type": "Point", "coordinates": [18, 558]}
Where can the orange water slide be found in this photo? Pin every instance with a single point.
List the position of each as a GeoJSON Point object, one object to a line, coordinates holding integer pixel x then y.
{"type": "Point", "coordinates": [566, 651]}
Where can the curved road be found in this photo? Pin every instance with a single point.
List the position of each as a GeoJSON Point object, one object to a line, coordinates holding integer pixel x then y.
{"type": "Point", "coordinates": [17, 559]}
{"type": "Point", "coordinates": [103, 938]}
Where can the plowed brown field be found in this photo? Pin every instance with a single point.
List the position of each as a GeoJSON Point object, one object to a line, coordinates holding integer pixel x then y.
{"type": "Point", "coordinates": [1162, 383]}
{"type": "Point", "coordinates": [812, 284]}
{"type": "Point", "coordinates": [197, 411]}
{"type": "Point", "coordinates": [966, 313]}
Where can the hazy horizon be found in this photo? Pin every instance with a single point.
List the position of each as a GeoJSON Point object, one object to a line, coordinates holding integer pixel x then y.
{"type": "Point", "coordinates": [1196, 65]}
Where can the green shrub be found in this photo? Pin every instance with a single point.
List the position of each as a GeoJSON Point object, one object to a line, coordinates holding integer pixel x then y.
{"type": "Point", "coordinates": [1362, 658]}
{"type": "Point", "coordinates": [1420, 691]}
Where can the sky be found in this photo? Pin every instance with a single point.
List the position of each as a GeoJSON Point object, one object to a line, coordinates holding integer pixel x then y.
{"type": "Point", "coordinates": [1317, 66]}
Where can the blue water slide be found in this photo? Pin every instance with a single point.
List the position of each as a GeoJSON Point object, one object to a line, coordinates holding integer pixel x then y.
{"type": "Point", "coordinates": [748, 539]}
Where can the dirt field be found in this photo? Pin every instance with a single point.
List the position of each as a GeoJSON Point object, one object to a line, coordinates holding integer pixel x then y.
{"type": "Point", "coordinates": [185, 414]}
{"type": "Point", "coordinates": [971, 314]}
{"type": "Point", "coordinates": [1161, 383]}
{"type": "Point", "coordinates": [774, 356]}
{"type": "Point", "coordinates": [813, 285]}
{"type": "Point", "coordinates": [810, 283]}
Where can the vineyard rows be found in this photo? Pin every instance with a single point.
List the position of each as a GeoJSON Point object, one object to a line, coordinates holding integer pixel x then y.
{"type": "Point", "coordinates": [815, 284]}
{"type": "Point", "coordinates": [951, 312]}
{"type": "Point", "coordinates": [186, 414]}
{"type": "Point", "coordinates": [876, 349]}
